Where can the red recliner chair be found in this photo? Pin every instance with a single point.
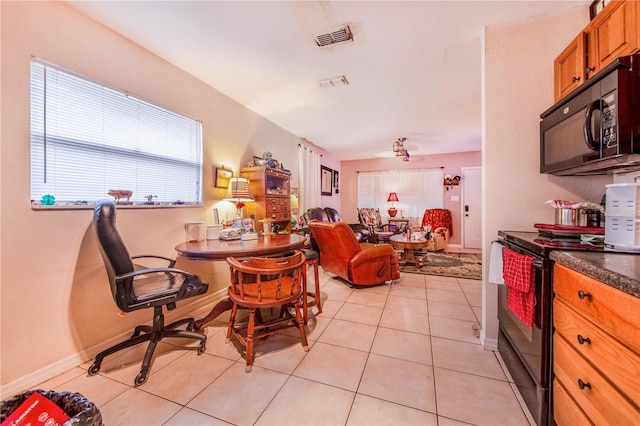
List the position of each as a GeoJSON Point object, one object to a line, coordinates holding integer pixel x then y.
{"type": "Point", "coordinates": [343, 255]}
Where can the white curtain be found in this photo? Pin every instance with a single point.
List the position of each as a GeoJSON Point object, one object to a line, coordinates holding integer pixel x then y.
{"type": "Point", "coordinates": [308, 178]}
{"type": "Point", "coordinates": [417, 189]}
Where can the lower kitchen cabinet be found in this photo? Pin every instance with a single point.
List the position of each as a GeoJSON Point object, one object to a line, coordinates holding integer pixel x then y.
{"type": "Point", "coordinates": [596, 352]}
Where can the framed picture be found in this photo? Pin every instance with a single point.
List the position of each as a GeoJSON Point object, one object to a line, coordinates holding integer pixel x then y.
{"type": "Point", "coordinates": [326, 181]}
{"type": "Point", "coordinates": [221, 177]}
{"type": "Point", "coordinates": [596, 7]}
{"type": "Point", "coordinates": [336, 181]}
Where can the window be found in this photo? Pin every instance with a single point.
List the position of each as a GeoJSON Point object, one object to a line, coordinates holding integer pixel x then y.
{"type": "Point", "coordinates": [417, 189]}
{"type": "Point", "coordinates": [87, 139]}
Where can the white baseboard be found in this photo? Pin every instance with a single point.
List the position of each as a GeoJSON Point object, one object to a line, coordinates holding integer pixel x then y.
{"type": "Point", "coordinates": [488, 344]}
{"type": "Point", "coordinates": [28, 381]}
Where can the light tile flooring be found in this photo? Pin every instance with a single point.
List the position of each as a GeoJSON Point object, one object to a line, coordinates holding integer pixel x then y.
{"type": "Point", "coordinates": [402, 354]}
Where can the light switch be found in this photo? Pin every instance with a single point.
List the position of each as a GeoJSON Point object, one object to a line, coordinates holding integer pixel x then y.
{"type": "Point", "coordinates": [455, 198]}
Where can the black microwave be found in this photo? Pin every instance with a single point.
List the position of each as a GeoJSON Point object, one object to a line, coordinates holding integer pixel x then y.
{"type": "Point", "coordinates": [596, 128]}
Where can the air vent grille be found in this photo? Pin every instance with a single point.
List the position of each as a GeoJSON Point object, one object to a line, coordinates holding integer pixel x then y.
{"type": "Point", "coordinates": [339, 35]}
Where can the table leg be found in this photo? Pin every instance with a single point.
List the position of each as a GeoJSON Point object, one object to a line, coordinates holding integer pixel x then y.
{"type": "Point", "coordinates": [217, 310]}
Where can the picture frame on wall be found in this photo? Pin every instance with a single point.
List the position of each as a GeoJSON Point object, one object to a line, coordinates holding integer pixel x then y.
{"type": "Point", "coordinates": [336, 181]}
{"type": "Point", "coordinates": [596, 7]}
{"type": "Point", "coordinates": [221, 177]}
{"type": "Point", "coordinates": [326, 180]}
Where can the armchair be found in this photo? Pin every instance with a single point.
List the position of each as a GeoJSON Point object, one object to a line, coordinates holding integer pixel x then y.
{"type": "Point", "coordinates": [371, 218]}
{"type": "Point", "coordinates": [329, 214]}
{"type": "Point", "coordinates": [343, 255]}
{"type": "Point", "coordinates": [134, 289]}
{"type": "Point", "coordinates": [440, 223]}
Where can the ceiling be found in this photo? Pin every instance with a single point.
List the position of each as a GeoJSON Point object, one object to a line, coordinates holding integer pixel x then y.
{"type": "Point", "coordinates": [413, 68]}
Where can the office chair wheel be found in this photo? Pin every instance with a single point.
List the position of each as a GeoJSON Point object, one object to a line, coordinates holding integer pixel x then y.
{"type": "Point", "coordinates": [201, 348]}
{"type": "Point", "coordinates": [93, 370]}
{"type": "Point", "coordinates": [141, 378]}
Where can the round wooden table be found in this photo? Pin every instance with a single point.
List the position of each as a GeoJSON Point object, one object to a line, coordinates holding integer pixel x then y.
{"type": "Point", "coordinates": [270, 245]}
{"type": "Point", "coordinates": [217, 250]}
{"type": "Point", "coordinates": [400, 241]}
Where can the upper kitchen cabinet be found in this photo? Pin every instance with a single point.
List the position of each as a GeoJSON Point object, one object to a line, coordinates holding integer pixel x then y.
{"type": "Point", "coordinates": [569, 69]}
{"type": "Point", "coordinates": [612, 33]}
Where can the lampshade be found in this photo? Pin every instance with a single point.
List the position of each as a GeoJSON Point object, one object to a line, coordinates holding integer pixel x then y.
{"type": "Point", "coordinates": [393, 197]}
{"type": "Point", "coordinates": [294, 201]}
{"type": "Point", "coordinates": [238, 190]}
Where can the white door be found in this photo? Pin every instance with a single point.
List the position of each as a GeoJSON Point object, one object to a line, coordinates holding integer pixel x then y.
{"type": "Point", "coordinates": [472, 207]}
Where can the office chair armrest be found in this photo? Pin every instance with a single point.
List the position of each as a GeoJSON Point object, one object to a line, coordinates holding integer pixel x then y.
{"type": "Point", "coordinates": [153, 256]}
{"type": "Point", "coordinates": [187, 276]}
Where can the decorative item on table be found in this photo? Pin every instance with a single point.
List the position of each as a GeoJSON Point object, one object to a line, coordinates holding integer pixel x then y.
{"type": "Point", "coordinates": [269, 226]}
{"type": "Point", "coordinates": [393, 198]}
{"type": "Point", "coordinates": [230, 234]}
{"type": "Point", "coordinates": [239, 193]}
{"type": "Point", "coordinates": [121, 193]}
{"type": "Point", "coordinates": [150, 199]}
{"type": "Point", "coordinates": [194, 231]}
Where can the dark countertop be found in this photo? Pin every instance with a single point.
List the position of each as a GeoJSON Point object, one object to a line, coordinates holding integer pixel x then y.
{"type": "Point", "coordinates": [621, 271]}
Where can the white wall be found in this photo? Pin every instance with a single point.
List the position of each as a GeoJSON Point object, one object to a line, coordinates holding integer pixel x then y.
{"type": "Point", "coordinates": [518, 86]}
{"type": "Point", "coordinates": [56, 308]}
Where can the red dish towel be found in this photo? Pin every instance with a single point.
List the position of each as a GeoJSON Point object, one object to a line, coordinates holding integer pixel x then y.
{"type": "Point", "coordinates": [517, 270]}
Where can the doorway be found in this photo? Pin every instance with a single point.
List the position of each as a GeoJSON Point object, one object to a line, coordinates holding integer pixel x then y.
{"type": "Point", "coordinates": [471, 207]}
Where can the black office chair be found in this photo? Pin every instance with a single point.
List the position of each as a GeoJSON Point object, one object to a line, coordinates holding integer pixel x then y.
{"type": "Point", "coordinates": [134, 289]}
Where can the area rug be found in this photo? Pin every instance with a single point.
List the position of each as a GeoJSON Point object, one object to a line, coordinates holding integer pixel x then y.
{"type": "Point", "coordinates": [458, 265]}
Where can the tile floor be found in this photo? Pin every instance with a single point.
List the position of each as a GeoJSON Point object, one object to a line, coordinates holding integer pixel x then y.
{"type": "Point", "coordinates": [402, 354]}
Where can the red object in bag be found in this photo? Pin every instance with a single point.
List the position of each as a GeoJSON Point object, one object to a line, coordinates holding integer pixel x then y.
{"type": "Point", "coordinates": [37, 410]}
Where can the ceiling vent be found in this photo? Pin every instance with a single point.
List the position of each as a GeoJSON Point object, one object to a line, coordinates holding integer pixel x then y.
{"type": "Point", "coordinates": [334, 82]}
{"type": "Point", "coordinates": [339, 35]}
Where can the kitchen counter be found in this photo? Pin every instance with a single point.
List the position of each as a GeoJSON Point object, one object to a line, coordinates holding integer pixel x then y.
{"type": "Point", "coordinates": [621, 271]}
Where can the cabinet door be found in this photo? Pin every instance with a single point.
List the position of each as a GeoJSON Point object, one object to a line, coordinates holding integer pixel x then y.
{"type": "Point", "coordinates": [569, 67]}
{"type": "Point", "coordinates": [613, 33]}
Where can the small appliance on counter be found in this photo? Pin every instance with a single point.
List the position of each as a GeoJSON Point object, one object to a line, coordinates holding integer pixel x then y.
{"type": "Point", "coordinates": [622, 227]}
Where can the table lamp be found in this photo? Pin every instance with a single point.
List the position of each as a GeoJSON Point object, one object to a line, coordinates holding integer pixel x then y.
{"type": "Point", "coordinates": [393, 198]}
{"type": "Point", "coordinates": [238, 192]}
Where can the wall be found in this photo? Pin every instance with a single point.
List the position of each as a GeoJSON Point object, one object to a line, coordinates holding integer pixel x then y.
{"type": "Point", "coordinates": [452, 164]}
{"type": "Point", "coordinates": [518, 86]}
{"type": "Point", "coordinates": [56, 308]}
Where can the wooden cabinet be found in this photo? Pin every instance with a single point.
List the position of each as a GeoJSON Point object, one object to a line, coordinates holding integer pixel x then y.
{"type": "Point", "coordinates": [272, 191]}
{"type": "Point", "coordinates": [596, 352]}
{"type": "Point", "coordinates": [569, 68]}
{"type": "Point", "coordinates": [612, 33]}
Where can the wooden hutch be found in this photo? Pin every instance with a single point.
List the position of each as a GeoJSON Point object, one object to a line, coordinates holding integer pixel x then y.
{"type": "Point", "coordinates": [272, 190]}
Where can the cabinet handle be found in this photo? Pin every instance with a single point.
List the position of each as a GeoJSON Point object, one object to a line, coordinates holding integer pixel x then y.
{"type": "Point", "coordinates": [583, 340]}
{"type": "Point", "coordinates": [574, 79]}
{"type": "Point", "coordinates": [590, 69]}
{"type": "Point", "coordinates": [583, 295]}
{"type": "Point", "coordinates": [583, 384]}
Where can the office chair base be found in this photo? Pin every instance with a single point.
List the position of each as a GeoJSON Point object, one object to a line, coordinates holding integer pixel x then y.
{"type": "Point", "coordinates": [152, 334]}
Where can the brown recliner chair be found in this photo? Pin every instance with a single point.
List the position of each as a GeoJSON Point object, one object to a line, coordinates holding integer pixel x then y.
{"type": "Point", "coordinates": [343, 255]}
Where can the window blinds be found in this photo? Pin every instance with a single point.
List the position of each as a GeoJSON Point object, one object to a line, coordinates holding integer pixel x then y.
{"type": "Point", "coordinates": [87, 139]}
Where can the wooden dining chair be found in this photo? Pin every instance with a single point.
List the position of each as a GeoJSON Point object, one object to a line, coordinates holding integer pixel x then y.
{"type": "Point", "coordinates": [260, 283]}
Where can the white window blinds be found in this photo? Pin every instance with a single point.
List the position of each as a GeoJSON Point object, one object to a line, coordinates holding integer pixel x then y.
{"type": "Point", "coordinates": [417, 189]}
{"type": "Point", "coordinates": [87, 139]}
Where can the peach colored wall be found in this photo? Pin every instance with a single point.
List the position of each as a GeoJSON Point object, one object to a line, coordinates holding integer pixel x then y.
{"type": "Point", "coordinates": [56, 310]}
{"type": "Point", "coordinates": [452, 164]}
{"type": "Point", "coordinates": [518, 86]}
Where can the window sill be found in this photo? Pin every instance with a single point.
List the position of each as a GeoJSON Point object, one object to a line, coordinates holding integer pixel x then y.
{"type": "Point", "coordinates": [90, 206]}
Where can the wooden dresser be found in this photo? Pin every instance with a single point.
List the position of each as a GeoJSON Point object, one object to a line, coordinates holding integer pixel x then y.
{"type": "Point", "coordinates": [596, 352]}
